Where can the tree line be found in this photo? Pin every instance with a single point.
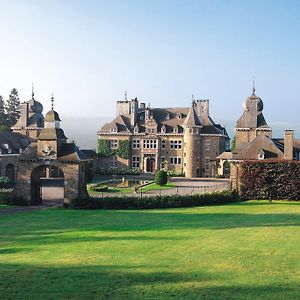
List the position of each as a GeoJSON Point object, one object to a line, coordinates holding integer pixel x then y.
{"type": "Point", "coordinates": [10, 110]}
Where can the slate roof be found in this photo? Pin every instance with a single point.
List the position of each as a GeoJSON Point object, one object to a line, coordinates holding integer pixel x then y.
{"type": "Point", "coordinates": [192, 119]}
{"type": "Point", "coordinates": [70, 152]}
{"type": "Point", "coordinates": [52, 116]}
{"type": "Point", "coordinates": [12, 142]}
{"type": "Point", "coordinates": [52, 134]}
{"type": "Point", "coordinates": [169, 117]}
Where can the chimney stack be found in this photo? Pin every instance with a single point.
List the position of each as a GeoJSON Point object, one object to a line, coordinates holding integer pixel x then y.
{"type": "Point", "coordinates": [288, 144]}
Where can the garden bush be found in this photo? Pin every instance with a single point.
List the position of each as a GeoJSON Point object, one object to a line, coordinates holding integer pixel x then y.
{"type": "Point", "coordinates": [98, 188]}
{"type": "Point", "coordinates": [7, 198]}
{"type": "Point", "coordinates": [175, 174]}
{"type": "Point", "coordinates": [171, 201]}
{"type": "Point", "coordinates": [270, 180]}
{"type": "Point", "coordinates": [117, 171]}
{"type": "Point", "coordinates": [161, 177]}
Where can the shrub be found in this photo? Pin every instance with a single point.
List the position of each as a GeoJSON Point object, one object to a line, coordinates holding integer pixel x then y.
{"type": "Point", "coordinates": [270, 180]}
{"type": "Point", "coordinates": [175, 174]}
{"type": "Point", "coordinates": [5, 182]}
{"type": "Point", "coordinates": [98, 188]}
{"type": "Point", "coordinates": [7, 198]}
{"type": "Point", "coordinates": [161, 177]}
{"type": "Point", "coordinates": [155, 201]}
{"type": "Point", "coordinates": [117, 171]}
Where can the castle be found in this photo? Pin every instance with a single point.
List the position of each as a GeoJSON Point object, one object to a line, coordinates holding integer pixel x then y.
{"type": "Point", "coordinates": [183, 140]}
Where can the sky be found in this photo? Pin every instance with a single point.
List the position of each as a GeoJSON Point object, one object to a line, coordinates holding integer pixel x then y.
{"type": "Point", "coordinates": [89, 52]}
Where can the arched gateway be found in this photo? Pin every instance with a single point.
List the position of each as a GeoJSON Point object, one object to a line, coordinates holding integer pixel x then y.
{"type": "Point", "coordinates": [51, 162]}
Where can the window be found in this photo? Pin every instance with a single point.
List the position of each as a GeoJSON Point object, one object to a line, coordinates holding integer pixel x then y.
{"type": "Point", "coordinates": [163, 144]}
{"type": "Point", "coordinates": [150, 144]}
{"type": "Point", "coordinates": [175, 130]}
{"type": "Point", "coordinates": [136, 129]}
{"type": "Point", "coordinates": [114, 129]}
{"type": "Point", "coordinates": [207, 163]}
{"type": "Point", "coordinates": [135, 144]}
{"type": "Point", "coordinates": [135, 162]}
{"type": "Point", "coordinates": [207, 145]}
{"type": "Point", "coordinates": [113, 144]}
{"type": "Point", "coordinates": [175, 144]}
{"type": "Point", "coordinates": [174, 160]}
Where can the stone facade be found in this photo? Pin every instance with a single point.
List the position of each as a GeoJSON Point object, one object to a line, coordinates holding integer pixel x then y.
{"type": "Point", "coordinates": [183, 140]}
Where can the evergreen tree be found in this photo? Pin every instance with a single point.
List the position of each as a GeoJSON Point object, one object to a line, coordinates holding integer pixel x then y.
{"type": "Point", "coordinates": [3, 117]}
{"type": "Point", "coordinates": [13, 109]}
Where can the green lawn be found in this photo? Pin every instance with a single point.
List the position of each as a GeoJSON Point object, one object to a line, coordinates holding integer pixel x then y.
{"type": "Point", "coordinates": [4, 206]}
{"type": "Point", "coordinates": [149, 187]}
{"type": "Point", "coordinates": [238, 251]}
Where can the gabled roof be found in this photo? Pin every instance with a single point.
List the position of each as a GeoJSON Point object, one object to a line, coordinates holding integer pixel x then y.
{"type": "Point", "coordinates": [121, 122]}
{"type": "Point", "coordinates": [251, 150]}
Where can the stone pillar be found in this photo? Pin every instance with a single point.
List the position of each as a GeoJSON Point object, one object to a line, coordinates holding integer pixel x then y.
{"type": "Point", "coordinates": [288, 144]}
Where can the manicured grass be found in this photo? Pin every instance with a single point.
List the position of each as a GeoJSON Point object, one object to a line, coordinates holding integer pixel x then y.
{"type": "Point", "coordinates": [4, 206]}
{"type": "Point", "coordinates": [238, 251]}
{"type": "Point", "coordinates": [149, 187]}
{"type": "Point", "coordinates": [153, 186]}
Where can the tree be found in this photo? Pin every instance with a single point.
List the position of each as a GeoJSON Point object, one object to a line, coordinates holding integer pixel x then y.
{"type": "Point", "coordinates": [3, 117]}
{"type": "Point", "coordinates": [13, 109]}
{"type": "Point", "coordinates": [233, 143]}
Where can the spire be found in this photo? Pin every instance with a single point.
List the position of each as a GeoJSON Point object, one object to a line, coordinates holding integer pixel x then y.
{"type": "Point", "coordinates": [125, 97]}
{"type": "Point", "coordinates": [52, 102]}
{"type": "Point", "coordinates": [192, 120]}
{"type": "Point", "coordinates": [32, 91]}
{"type": "Point", "coordinates": [253, 89]}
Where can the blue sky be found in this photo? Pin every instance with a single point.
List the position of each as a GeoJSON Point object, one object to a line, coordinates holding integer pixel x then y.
{"type": "Point", "coordinates": [89, 52]}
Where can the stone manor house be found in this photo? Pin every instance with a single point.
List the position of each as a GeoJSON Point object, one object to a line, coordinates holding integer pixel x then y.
{"type": "Point", "coordinates": [183, 140]}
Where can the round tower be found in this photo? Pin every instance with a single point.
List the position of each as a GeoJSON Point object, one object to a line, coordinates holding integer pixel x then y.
{"type": "Point", "coordinates": [191, 144]}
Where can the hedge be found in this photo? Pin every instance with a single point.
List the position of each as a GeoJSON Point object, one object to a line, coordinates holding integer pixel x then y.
{"type": "Point", "coordinates": [7, 198]}
{"type": "Point", "coordinates": [117, 171]}
{"type": "Point", "coordinates": [270, 180]}
{"type": "Point", "coordinates": [161, 177]}
{"type": "Point", "coordinates": [155, 201]}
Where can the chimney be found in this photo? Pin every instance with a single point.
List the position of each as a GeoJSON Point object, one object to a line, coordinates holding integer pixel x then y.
{"type": "Point", "coordinates": [288, 144]}
{"type": "Point", "coordinates": [143, 105]}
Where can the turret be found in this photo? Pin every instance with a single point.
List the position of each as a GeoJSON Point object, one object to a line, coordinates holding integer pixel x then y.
{"type": "Point", "coordinates": [133, 111]}
{"type": "Point", "coordinates": [51, 136]}
{"type": "Point", "coordinates": [252, 123]}
{"type": "Point", "coordinates": [191, 140]}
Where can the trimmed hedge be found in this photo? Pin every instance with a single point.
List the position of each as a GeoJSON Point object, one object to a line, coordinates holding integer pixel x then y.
{"type": "Point", "coordinates": [117, 171]}
{"type": "Point", "coordinates": [175, 174]}
{"type": "Point", "coordinates": [155, 201]}
{"type": "Point", "coordinates": [7, 198]}
{"type": "Point", "coordinates": [270, 180]}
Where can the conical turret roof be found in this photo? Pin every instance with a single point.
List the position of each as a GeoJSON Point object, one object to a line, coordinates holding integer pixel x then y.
{"type": "Point", "coordinates": [192, 120]}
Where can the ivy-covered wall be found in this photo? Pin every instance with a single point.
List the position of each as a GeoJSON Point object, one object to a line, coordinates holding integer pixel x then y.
{"type": "Point", "coordinates": [103, 148]}
{"type": "Point", "coordinates": [270, 180]}
{"type": "Point", "coordinates": [124, 149]}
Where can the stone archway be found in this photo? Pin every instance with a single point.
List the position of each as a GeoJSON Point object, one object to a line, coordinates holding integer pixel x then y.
{"type": "Point", "coordinates": [10, 172]}
{"type": "Point", "coordinates": [47, 184]}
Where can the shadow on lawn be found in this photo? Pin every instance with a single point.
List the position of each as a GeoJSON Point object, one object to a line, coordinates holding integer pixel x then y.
{"type": "Point", "coordinates": [120, 282]}
{"type": "Point", "coordinates": [85, 226]}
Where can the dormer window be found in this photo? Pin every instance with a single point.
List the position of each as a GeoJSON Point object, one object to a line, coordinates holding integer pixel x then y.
{"type": "Point", "coordinates": [261, 154]}
{"type": "Point", "coordinates": [136, 129]}
{"type": "Point", "coordinates": [175, 129]}
{"type": "Point", "coordinates": [163, 129]}
{"type": "Point", "coordinates": [114, 129]}
{"type": "Point", "coordinates": [179, 116]}
{"type": "Point", "coordinates": [20, 150]}
{"type": "Point", "coordinates": [168, 116]}
{"type": "Point", "coordinates": [141, 117]}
